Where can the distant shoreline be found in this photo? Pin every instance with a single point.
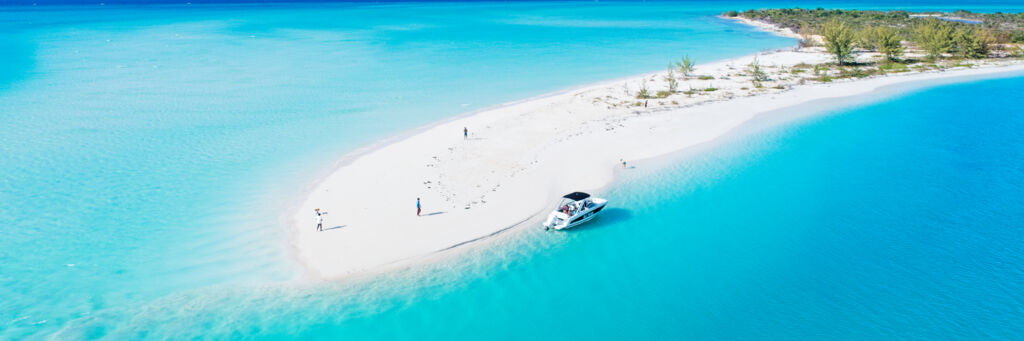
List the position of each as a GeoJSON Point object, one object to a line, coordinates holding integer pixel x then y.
{"type": "Point", "coordinates": [522, 155]}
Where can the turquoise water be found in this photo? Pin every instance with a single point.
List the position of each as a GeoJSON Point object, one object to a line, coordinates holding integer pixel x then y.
{"type": "Point", "coordinates": [149, 154]}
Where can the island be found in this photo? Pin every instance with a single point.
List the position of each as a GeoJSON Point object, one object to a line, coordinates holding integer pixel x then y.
{"type": "Point", "coordinates": [518, 159]}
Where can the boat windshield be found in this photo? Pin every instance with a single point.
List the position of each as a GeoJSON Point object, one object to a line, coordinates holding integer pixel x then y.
{"type": "Point", "coordinates": [571, 207]}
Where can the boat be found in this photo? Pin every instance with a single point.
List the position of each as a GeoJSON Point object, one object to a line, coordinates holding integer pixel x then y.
{"type": "Point", "coordinates": [574, 209]}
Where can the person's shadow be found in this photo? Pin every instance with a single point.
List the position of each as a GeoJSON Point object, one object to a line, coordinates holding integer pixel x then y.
{"type": "Point", "coordinates": [433, 213]}
{"type": "Point", "coordinates": [336, 227]}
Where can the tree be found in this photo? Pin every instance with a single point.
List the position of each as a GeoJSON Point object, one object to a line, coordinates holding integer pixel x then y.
{"type": "Point", "coordinates": [756, 74]}
{"type": "Point", "coordinates": [806, 35]}
{"type": "Point", "coordinates": [969, 42]}
{"type": "Point", "coordinates": [935, 37]}
{"type": "Point", "coordinates": [865, 39]}
{"type": "Point", "coordinates": [838, 40]}
{"type": "Point", "coordinates": [671, 78]}
{"type": "Point", "coordinates": [885, 40]}
{"type": "Point", "coordinates": [686, 65]}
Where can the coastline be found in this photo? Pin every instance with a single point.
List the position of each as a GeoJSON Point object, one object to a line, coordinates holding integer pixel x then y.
{"type": "Point", "coordinates": [522, 155]}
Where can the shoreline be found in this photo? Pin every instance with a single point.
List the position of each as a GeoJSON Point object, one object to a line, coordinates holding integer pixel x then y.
{"type": "Point", "coordinates": [518, 155]}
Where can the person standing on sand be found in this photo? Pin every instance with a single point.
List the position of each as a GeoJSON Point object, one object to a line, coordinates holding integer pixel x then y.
{"type": "Point", "coordinates": [418, 208]}
{"type": "Point", "coordinates": [465, 133]}
{"type": "Point", "coordinates": [320, 219]}
{"type": "Point", "coordinates": [623, 163]}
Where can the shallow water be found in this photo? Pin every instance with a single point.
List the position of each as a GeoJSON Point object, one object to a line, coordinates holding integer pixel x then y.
{"type": "Point", "coordinates": [152, 150]}
{"type": "Point", "coordinates": [149, 152]}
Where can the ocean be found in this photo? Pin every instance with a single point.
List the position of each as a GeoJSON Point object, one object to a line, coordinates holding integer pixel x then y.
{"type": "Point", "coordinates": [151, 153]}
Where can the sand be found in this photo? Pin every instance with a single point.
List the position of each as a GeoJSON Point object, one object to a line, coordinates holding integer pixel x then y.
{"type": "Point", "coordinates": [520, 158]}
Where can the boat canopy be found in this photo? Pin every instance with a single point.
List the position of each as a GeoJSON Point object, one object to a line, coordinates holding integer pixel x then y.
{"type": "Point", "coordinates": [577, 196]}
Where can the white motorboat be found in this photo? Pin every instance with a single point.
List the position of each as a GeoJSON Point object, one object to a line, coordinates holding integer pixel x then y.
{"type": "Point", "coordinates": [575, 208]}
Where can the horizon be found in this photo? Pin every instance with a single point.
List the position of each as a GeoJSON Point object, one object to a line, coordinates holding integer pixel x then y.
{"type": "Point", "coordinates": [896, 5]}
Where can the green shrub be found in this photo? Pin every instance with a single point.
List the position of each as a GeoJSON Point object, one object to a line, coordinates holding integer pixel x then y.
{"type": "Point", "coordinates": [671, 78]}
{"type": "Point", "coordinates": [935, 37]}
{"type": "Point", "coordinates": [662, 94]}
{"type": "Point", "coordinates": [893, 67]}
{"type": "Point", "coordinates": [644, 93]}
{"type": "Point", "coordinates": [863, 39]}
{"type": "Point", "coordinates": [969, 42]}
{"type": "Point", "coordinates": [732, 14]}
{"type": "Point", "coordinates": [704, 78]}
{"type": "Point", "coordinates": [838, 40]}
{"type": "Point", "coordinates": [686, 65]}
{"type": "Point", "coordinates": [756, 74]}
{"type": "Point", "coordinates": [806, 35]}
{"type": "Point", "coordinates": [885, 40]}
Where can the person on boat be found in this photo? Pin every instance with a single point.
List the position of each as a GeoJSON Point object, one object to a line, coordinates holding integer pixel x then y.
{"type": "Point", "coordinates": [320, 219]}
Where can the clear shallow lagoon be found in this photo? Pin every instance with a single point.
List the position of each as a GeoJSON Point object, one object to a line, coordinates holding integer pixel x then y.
{"type": "Point", "coordinates": [149, 152]}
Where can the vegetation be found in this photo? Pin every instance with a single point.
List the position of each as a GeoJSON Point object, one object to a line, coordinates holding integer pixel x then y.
{"type": "Point", "coordinates": [838, 40]}
{"type": "Point", "coordinates": [671, 78]}
{"type": "Point", "coordinates": [1005, 27]}
{"type": "Point", "coordinates": [757, 76]}
{"type": "Point", "coordinates": [934, 37]}
{"type": "Point", "coordinates": [686, 66]}
{"type": "Point", "coordinates": [883, 39]}
{"type": "Point", "coordinates": [893, 68]}
{"type": "Point", "coordinates": [806, 35]}
{"type": "Point", "coordinates": [969, 42]}
{"type": "Point", "coordinates": [643, 93]}
{"type": "Point", "coordinates": [959, 34]}
{"type": "Point", "coordinates": [904, 41]}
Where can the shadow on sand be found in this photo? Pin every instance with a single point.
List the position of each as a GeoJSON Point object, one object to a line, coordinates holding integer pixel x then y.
{"type": "Point", "coordinates": [336, 227]}
{"type": "Point", "coordinates": [432, 213]}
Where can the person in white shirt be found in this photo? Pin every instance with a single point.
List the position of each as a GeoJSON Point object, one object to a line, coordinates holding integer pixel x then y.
{"type": "Point", "coordinates": [320, 219]}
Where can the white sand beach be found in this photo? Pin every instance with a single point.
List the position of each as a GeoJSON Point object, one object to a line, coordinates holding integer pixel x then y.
{"type": "Point", "coordinates": [520, 158]}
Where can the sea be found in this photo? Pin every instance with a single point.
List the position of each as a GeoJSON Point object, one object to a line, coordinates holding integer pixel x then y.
{"type": "Point", "coordinates": [150, 153]}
